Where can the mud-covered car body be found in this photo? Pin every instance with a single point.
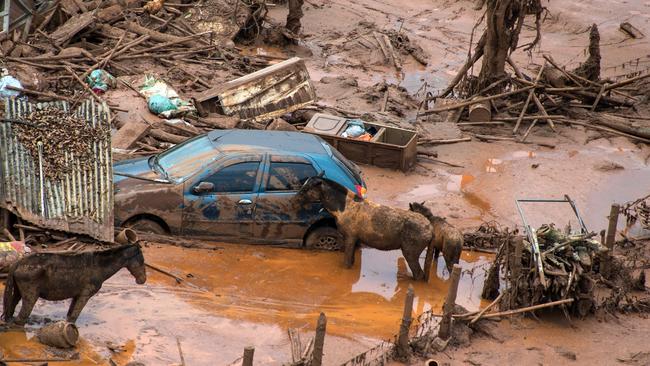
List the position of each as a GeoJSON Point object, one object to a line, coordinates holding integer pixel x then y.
{"type": "Point", "coordinates": [231, 185]}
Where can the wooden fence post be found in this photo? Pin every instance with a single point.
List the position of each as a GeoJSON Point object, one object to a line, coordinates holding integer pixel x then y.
{"type": "Point", "coordinates": [427, 262]}
{"type": "Point", "coordinates": [319, 340]}
{"type": "Point", "coordinates": [606, 260]}
{"type": "Point", "coordinates": [248, 356]}
{"type": "Point", "coordinates": [450, 303]}
{"type": "Point", "coordinates": [403, 337]}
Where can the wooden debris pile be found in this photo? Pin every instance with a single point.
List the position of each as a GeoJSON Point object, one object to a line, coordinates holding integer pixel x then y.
{"type": "Point", "coordinates": [549, 95]}
{"type": "Point", "coordinates": [565, 269]}
{"type": "Point", "coordinates": [129, 37]}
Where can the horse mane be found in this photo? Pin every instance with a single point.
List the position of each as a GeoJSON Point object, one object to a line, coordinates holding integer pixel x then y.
{"type": "Point", "coordinates": [425, 211]}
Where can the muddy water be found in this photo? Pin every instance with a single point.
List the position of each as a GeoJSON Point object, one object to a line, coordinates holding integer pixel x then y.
{"type": "Point", "coordinates": [288, 288]}
{"type": "Point", "coordinates": [246, 295]}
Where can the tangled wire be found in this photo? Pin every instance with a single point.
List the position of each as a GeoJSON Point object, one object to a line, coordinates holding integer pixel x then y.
{"type": "Point", "coordinates": [60, 133]}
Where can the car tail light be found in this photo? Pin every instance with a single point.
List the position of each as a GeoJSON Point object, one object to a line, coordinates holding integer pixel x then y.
{"type": "Point", "coordinates": [361, 191]}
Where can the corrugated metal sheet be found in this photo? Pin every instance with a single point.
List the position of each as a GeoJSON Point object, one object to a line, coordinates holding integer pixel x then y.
{"type": "Point", "coordinates": [263, 95]}
{"type": "Point", "coordinates": [81, 202]}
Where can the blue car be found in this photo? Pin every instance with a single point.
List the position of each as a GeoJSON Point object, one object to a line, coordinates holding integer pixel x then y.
{"type": "Point", "coordinates": [234, 186]}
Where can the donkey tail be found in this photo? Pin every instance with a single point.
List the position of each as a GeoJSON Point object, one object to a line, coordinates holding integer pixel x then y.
{"type": "Point", "coordinates": [11, 291]}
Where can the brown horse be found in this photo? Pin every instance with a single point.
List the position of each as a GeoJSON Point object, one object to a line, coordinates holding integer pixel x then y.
{"type": "Point", "coordinates": [377, 226]}
{"type": "Point", "coordinates": [57, 276]}
{"type": "Point", "coordinates": [447, 239]}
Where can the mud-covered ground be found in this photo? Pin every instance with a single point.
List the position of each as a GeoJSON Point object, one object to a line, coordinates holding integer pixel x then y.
{"type": "Point", "coordinates": [238, 295]}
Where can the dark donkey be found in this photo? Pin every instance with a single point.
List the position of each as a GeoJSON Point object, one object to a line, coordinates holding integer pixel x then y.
{"type": "Point", "coordinates": [57, 276]}
{"type": "Point", "coordinates": [377, 226]}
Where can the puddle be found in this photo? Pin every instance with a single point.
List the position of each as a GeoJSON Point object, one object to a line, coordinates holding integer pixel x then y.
{"type": "Point", "coordinates": [521, 154]}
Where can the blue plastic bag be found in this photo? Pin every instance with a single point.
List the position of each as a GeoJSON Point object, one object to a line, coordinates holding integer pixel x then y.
{"type": "Point", "coordinates": [159, 104]}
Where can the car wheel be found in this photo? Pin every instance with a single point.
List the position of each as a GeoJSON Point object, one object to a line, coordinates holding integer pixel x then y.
{"type": "Point", "coordinates": [146, 226]}
{"type": "Point", "coordinates": [324, 238]}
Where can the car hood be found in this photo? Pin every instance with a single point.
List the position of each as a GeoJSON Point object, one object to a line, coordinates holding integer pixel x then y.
{"type": "Point", "coordinates": [138, 167]}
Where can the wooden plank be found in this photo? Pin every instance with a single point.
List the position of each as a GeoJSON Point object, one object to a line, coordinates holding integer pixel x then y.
{"type": "Point", "coordinates": [129, 134]}
{"type": "Point", "coordinates": [70, 28]}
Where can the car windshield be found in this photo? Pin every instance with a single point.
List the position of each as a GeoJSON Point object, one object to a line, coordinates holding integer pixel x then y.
{"type": "Point", "coordinates": [185, 159]}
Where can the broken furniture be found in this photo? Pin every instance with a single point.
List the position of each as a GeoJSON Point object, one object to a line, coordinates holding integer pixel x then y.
{"type": "Point", "coordinates": [262, 95]}
{"type": "Point", "coordinates": [389, 147]}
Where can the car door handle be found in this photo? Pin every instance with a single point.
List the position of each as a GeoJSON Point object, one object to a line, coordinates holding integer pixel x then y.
{"type": "Point", "coordinates": [245, 202]}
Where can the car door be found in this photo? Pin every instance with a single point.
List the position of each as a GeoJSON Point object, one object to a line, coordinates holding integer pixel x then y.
{"type": "Point", "coordinates": [276, 218]}
{"type": "Point", "coordinates": [224, 212]}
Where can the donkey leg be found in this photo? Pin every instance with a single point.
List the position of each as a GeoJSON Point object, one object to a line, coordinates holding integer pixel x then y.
{"type": "Point", "coordinates": [29, 300]}
{"type": "Point", "coordinates": [413, 260]}
{"type": "Point", "coordinates": [77, 306]}
{"type": "Point", "coordinates": [350, 244]}
{"type": "Point", "coordinates": [10, 308]}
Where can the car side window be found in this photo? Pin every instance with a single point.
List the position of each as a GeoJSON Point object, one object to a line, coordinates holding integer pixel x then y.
{"type": "Point", "coordinates": [236, 178]}
{"type": "Point", "coordinates": [288, 176]}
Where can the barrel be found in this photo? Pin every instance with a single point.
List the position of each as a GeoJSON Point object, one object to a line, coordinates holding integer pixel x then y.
{"type": "Point", "coordinates": [60, 334]}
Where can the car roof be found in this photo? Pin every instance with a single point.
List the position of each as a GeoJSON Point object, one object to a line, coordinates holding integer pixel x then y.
{"type": "Point", "coordinates": [260, 140]}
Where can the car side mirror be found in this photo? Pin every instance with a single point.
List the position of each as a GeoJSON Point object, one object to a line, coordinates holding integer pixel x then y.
{"type": "Point", "coordinates": [203, 187]}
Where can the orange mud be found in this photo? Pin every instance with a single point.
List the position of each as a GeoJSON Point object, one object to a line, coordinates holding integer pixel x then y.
{"type": "Point", "coordinates": [289, 288]}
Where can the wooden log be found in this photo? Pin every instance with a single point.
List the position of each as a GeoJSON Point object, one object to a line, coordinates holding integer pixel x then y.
{"type": "Point", "coordinates": [611, 228]}
{"type": "Point", "coordinates": [528, 99]}
{"type": "Point", "coordinates": [528, 308]}
{"type": "Point", "coordinates": [450, 303]}
{"type": "Point", "coordinates": [162, 135]}
{"type": "Point", "coordinates": [626, 82]}
{"type": "Point", "coordinates": [382, 46]}
{"type": "Point", "coordinates": [486, 309]}
{"type": "Point", "coordinates": [217, 121]}
{"type": "Point", "coordinates": [160, 37]}
{"type": "Point", "coordinates": [393, 54]}
{"type": "Point", "coordinates": [445, 141]}
{"type": "Point", "coordinates": [530, 128]}
{"type": "Point", "coordinates": [403, 348]}
{"type": "Point", "coordinates": [643, 132]}
{"type": "Point", "coordinates": [71, 27]}
{"type": "Point", "coordinates": [249, 352]}
{"type": "Point", "coordinates": [477, 100]}
{"type": "Point", "coordinates": [480, 112]}
{"type": "Point", "coordinates": [492, 138]}
{"type": "Point", "coordinates": [610, 130]}
{"type": "Point", "coordinates": [319, 341]}
{"type": "Point", "coordinates": [167, 44]}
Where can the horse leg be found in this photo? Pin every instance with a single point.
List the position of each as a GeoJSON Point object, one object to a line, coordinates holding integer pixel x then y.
{"type": "Point", "coordinates": [413, 260]}
{"type": "Point", "coordinates": [350, 243]}
{"type": "Point", "coordinates": [29, 300]}
{"type": "Point", "coordinates": [76, 306]}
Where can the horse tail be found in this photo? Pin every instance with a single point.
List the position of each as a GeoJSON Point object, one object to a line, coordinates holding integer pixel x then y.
{"type": "Point", "coordinates": [11, 291]}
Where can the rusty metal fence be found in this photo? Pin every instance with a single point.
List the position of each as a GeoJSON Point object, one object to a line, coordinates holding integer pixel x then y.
{"type": "Point", "coordinates": [81, 202]}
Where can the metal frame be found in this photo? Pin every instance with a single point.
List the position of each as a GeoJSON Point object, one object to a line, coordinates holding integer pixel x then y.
{"type": "Point", "coordinates": [531, 233]}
